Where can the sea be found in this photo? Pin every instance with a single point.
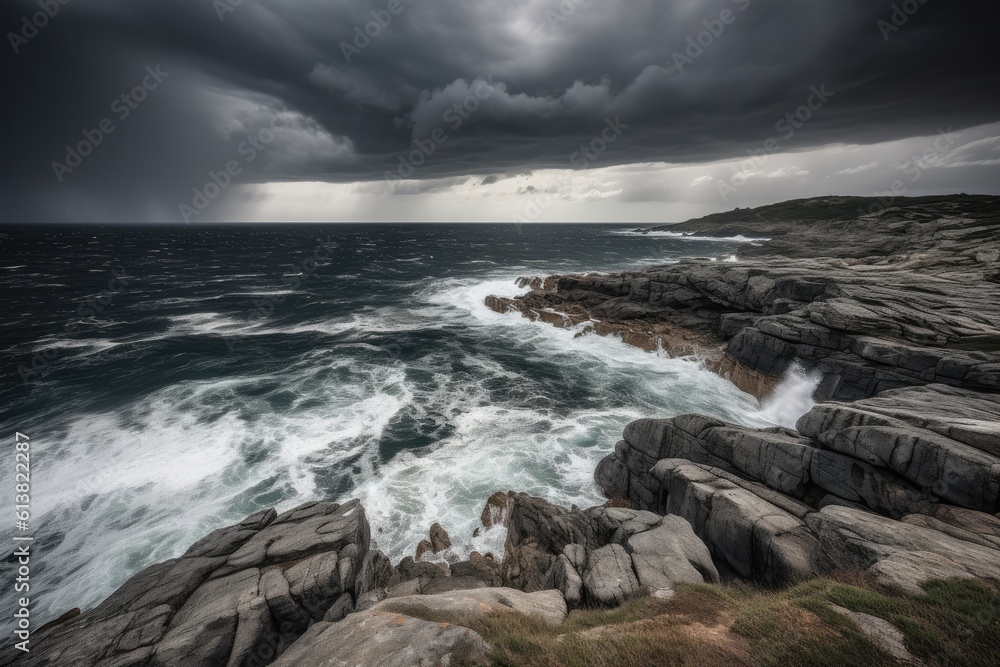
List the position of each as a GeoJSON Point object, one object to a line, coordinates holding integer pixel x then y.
{"type": "Point", "coordinates": [173, 380]}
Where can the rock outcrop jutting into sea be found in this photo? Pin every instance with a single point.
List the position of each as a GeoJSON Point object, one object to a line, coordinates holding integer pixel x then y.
{"type": "Point", "coordinates": [895, 473]}
{"type": "Point", "coordinates": [906, 296]}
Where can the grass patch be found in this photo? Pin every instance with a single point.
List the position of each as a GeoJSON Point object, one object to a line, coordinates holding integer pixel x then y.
{"type": "Point", "coordinates": [953, 623]}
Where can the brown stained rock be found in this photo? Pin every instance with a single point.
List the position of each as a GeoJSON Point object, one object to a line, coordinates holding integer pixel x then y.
{"type": "Point", "coordinates": [440, 540]}
{"type": "Point", "coordinates": [495, 510]}
{"type": "Point", "coordinates": [873, 302]}
{"type": "Point", "coordinates": [423, 547]}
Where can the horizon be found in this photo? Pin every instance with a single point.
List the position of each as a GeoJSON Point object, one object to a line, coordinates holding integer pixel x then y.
{"type": "Point", "coordinates": [882, 202]}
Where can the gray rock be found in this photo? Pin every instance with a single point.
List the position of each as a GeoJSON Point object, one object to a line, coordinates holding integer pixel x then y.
{"type": "Point", "coordinates": [984, 525]}
{"type": "Point", "coordinates": [547, 605]}
{"type": "Point", "coordinates": [225, 541]}
{"type": "Point", "coordinates": [777, 458]}
{"type": "Point", "coordinates": [483, 568]}
{"type": "Point", "coordinates": [670, 553]}
{"type": "Point", "coordinates": [608, 579]}
{"type": "Point", "coordinates": [239, 596]}
{"type": "Point", "coordinates": [411, 577]}
{"type": "Point", "coordinates": [881, 633]}
{"type": "Point", "coordinates": [762, 539]}
{"type": "Point", "coordinates": [537, 532]}
{"type": "Point", "coordinates": [899, 558]}
{"type": "Point", "coordinates": [385, 639]}
{"type": "Point", "coordinates": [566, 579]}
{"type": "Point", "coordinates": [869, 432]}
{"type": "Point", "coordinates": [901, 297]}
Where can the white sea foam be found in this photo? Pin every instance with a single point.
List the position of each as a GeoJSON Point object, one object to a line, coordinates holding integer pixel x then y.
{"type": "Point", "coordinates": [739, 238]}
{"type": "Point", "coordinates": [792, 398]}
{"type": "Point", "coordinates": [140, 485]}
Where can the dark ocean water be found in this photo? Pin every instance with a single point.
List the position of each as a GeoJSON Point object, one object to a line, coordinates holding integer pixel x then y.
{"type": "Point", "coordinates": [174, 380]}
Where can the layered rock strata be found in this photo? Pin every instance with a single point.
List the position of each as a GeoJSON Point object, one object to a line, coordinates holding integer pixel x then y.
{"type": "Point", "coordinates": [876, 301]}
{"type": "Point", "coordinates": [249, 594]}
{"type": "Point", "coordinates": [872, 485]}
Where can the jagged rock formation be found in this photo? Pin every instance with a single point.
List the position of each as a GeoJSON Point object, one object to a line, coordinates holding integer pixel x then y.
{"type": "Point", "coordinates": [601, 556]}
{"type": "Point", "coordinates": [437, 542]}
{"type": "Point", "coordinates": [247, 594]}
{"type": "Point", "coordinates": [872, 485]}
{"type": "Point", "coordinates": [899, 314]}
{"type": "Point", "coordinates": [239, 596]}
{"type": "Point", "coordinates": [393, 634]}
{"type": "Point", "coordinates": [875, 301]}
{"type": "Point", "coordinates": [379, 638]}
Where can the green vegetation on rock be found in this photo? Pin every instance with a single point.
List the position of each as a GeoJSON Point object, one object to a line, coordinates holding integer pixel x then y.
{"type": "Point", "coordinates": [955, 622]}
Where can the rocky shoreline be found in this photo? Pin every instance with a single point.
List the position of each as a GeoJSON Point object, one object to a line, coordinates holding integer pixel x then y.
{"type": "Point", "coordinates": [894, 474]}
{"type": "Point", "coordinates": [905, 296]}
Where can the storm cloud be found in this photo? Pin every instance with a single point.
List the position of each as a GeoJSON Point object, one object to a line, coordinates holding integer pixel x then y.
{"type": "Point", "coordinates": [440, 91]}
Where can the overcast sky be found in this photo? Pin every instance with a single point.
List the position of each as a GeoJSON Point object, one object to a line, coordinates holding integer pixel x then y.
{"type": "Point", "coordinates": [617, 110]}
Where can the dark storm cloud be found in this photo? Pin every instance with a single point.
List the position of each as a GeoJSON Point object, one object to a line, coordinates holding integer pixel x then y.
{"type": "Point", "coordinates": [542, 81]}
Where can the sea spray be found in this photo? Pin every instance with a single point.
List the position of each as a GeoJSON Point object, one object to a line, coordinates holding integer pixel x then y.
{"type": "Point", "coordinates": [793, 397]}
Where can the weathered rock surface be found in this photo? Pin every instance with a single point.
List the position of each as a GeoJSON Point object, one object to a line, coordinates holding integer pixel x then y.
{"type": "Point", "coordinates": [782, 460]}
{"type": "Point", "coordinates": [601, 556]}
{"type": "Point", "coordinates": [239, 596]}
{"type": "Point", "coordinates": [608, 577]}
{"type": "Point", "coordinates": [905, 296]}
{"type": "Point", "coordinates": [547, 605]}
{"type": "Point", "coordinates": [882, 633]}
{"type": "Point", "coordinates": [872, 485]}
{"type": "Point", "coordinates": [756, 534]}
{"type": "Point", "coordinates": [438, 541]}
{"type": "Point", "coordinates": [901, 556]}
{"type": "Point", "coordinates": [935, 437]}
{"type": "Point", "coordinates": [424, 578]}
{"type": "Point", "coordinates": [382, 638]}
